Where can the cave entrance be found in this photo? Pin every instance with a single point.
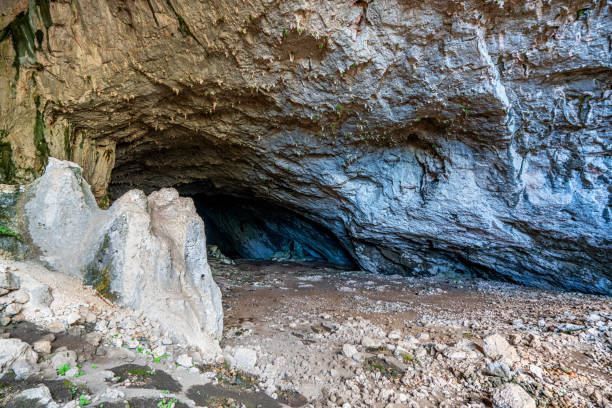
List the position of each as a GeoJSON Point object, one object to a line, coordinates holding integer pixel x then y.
{"type": "Point", "coordinates": [247, 228]}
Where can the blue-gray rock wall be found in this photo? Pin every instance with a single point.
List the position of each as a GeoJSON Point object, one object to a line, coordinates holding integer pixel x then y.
{"type": "Point", "coordinates": [429, 137]}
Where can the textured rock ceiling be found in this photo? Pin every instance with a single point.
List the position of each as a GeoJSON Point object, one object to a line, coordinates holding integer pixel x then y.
{"type": "Point", "coordinates": [429, 137]}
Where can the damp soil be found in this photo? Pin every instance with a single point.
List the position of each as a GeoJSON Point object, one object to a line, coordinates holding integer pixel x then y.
{"type": "Point", "coordinates": [142, 403]}
{"type": "Point", "coordinates": [62, 391]}
{"type": "Point", "coordinates": [139, 376]}
{"type": "Point", "coordinates": [210, 394]}
{"type": "Point", "coordinates": [31, 333]}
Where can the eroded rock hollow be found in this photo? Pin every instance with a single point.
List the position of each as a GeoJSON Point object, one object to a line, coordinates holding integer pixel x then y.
{"type": "Point", "coordinates": [428, 137]}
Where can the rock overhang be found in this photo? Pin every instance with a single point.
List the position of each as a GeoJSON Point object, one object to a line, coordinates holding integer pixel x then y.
{"type": "Point", "coordinates": [429, 138]}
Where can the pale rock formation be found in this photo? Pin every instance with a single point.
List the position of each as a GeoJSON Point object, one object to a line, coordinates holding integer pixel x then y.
{"type": "Point", "coordinates": [148, 254]}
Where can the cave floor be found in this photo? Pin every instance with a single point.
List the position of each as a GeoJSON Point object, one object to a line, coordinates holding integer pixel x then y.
{"type": "Point", "coordinates": [310, 335]}
{"type": "Point", "coordinates": [348, 337]}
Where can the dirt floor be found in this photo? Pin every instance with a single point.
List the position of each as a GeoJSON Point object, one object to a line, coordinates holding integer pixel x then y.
{"type": "Point", "coordinates": [429, 330]}
{"type": "Point", "coordinates": [311, 335]}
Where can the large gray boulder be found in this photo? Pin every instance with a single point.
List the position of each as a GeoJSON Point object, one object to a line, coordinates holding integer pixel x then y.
{"type": "Point", "coordinates": [148, 254]}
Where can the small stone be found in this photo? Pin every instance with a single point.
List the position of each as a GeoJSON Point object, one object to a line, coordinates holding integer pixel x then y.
{"type": "Point", "coordinates": [454, 354]}
{"type": "Point", "coordinates": [112, 394]}
{"type": "Point", "coordinates": [3, 291]}
{"type": "Point", "coordinates": [20, 297]}
{"type": "Point", "coordinates": [593, 317]}
{"type": "Point", "coordinates": [73, 318]}
{"type": "Point", "coordinates": [184, 360]}
{"type": "Point", "coordinates": [245, 358]}
{"type": "Point", "coordinates": [40, 296]}
{"type": "Point", "coordinates": [536, 371]}
{"type": "Point", "coordinates": [40, 394]}
{"type": "Point", "coordinates": [499, 368]}
{"type": "Point", "coordinates": [395, 335]}
{"type": "Point", "coordinates": [370, 342]}
{"type": "Point", "coordinates": [497, 348]}
{"type": "Point", "coordinates": [348, 350]}
{"type": "Point", "coordinates": [63, 358]}
{"type": "Point", "coordinates": [512, 395]}
{"type": "Point", "coordinates": [91, 318]}
{"type": "Point", "coordinates": [166, 341]}
{"type": "Point", "coordinates": [93, 338]}
{"type": "Point", "coordinates": [101, 326]}
{"type": "Point", "coordinates": [5, 320]}
{"type": "Point", "coordinates": [515, 339]}
{"type": "Point", "coordinates": [42, 346]}
{"type": "Point", "coordinates": [18, 356]}
{"type": "Point", "coordinates": [159, 351]}
{"type": "Point", "coordinates": [8, 280]}
{"type": "Point", "coordinates": [72, 372]}
{"type": "Point", "coordinates": [117, 341]}
{"type": "Point", "coordinates": [19, 317]}
{"type": "Point", "coordinates": [56, 326]}
{"type": "Point", "coordinates": [13, 309]}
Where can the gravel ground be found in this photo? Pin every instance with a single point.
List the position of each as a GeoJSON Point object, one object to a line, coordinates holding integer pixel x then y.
{"type": "Point", "coordinates": [311, 335]}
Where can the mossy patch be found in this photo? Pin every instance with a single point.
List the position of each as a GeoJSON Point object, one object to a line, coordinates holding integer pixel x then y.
{"type": "Point", "coordinates": [98, 273]}
{"type": "Point", "coordinates": [40, 143]}
{"type": "Point", "coordinates": [24, 34]}
{"type": "Point", "coordinates": [67, 144]}
{"type": "Point", "coordinates": [146, 377]}
{"type": "Point", "coordinates": [375, 364]}
{"type": "Point", "coordinates": [7, 165]}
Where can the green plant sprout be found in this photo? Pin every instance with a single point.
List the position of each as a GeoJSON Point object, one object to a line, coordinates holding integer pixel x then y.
{"type": "Point", "coordinates": [63, 369]}
{"type": "Point", "coordinates": [83, 400]}
{"type": "Point", "coordinates": [9, 232]}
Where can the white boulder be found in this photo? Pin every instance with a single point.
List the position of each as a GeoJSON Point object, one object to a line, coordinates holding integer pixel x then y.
{"type": "Point", "coordinates": [497, 348]}
{"type": "Point", "coordinates": [512, 395]}
{"type": "Point", "coordinates": [146, 253]}
{"type": "Point", "coordinates": [18, 356]}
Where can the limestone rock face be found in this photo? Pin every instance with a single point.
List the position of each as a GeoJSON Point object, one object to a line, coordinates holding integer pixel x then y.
{"type": "Point", "coordinates": [429, 137]}
{"type": "Point", "coordinates": [145, 253]}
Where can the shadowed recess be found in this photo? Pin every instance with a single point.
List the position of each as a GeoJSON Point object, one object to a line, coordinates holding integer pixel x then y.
{"type": "Point", "coordinates": [254, 229]}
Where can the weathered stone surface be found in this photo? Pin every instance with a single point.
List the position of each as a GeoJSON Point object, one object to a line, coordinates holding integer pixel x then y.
{"type": "Point", "coordinates": [18, 356]}
{"type": "Point", "coordinates": [38, 397]}
{"type": "Point", "coordinates": [512, 395]}
{"type": "Point", "coordinates": [244, 358]}
{"type": "Point", "coordinates": [8, 280]}
{"type": "Point", "coordinates": [63, 358]}
{"type": "Point", "coordinates": [40, 296]}
{"type": "Point", "coordinates": [430, 137]}
{"type": "Point", "coordinates": [42, 346]}
{"type": "Point", "coordinates": [497, 348]}
{"type": "Point", "coordinates": [145, 253]}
